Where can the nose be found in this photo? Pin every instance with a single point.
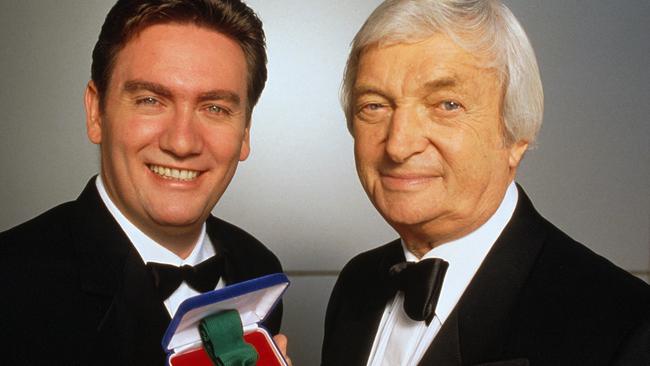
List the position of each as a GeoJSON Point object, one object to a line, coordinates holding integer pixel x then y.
{"type": "Point", "coordinates": [405, 136]}
{"type": "Point", "coordinates": [182, 137]}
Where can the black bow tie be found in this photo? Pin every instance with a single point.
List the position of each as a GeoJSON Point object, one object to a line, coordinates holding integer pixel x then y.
{"type": "Point", "coordinates": [421, 283]}
{"type": "Point", "coordinates": [202, 277]}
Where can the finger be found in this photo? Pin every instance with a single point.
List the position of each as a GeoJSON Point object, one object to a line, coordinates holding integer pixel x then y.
{"type": "Point", "coordinates": [281, 341]}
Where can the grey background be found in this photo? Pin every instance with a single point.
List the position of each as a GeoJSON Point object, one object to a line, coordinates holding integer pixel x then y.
{"type": "Point", "coordinates": [298, 192]}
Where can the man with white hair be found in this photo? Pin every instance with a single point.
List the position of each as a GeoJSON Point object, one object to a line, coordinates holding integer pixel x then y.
{"type": "Point", "coordinates": [443, 99]}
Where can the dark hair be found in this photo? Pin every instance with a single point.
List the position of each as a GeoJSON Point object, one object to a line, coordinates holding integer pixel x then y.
{"type": "Point", "coordinates": [232, 18]}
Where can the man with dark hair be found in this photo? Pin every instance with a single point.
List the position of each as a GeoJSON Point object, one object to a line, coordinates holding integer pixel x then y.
{"type": "Point", "coordinates": [97, 280]}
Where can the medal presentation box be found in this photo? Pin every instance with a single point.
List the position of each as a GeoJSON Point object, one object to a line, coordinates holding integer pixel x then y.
{"type": "Point", "coordinates": [253, 299]}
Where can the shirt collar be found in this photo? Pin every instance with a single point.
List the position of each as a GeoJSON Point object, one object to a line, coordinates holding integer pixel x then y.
{"type": "Point", "coordinates": [149, 249]}
{"type": "Point", "coordinates": [466, 254]}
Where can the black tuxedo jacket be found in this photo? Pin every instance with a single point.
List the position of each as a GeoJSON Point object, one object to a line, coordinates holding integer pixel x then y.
{"type": "Point", "coordinates": [74, 291]}
{"type": "Point", "coordinates": [539, 298]}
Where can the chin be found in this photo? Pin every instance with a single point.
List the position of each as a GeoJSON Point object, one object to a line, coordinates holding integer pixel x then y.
{"type": "Point", "coordinates": [406, 220]}
{"type": "Point", "coordinates": [405, 216]}
{"type": "Point", "coordinates": [407, 209]}
{"type": "Point", "coordinates": [177, 218]}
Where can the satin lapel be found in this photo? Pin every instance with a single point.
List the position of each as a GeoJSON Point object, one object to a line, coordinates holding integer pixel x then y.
{"type": "Point", "coordinates": [232, 271]}
{"type": "Point", "coordinates": [239, 265]}
{"type": "Point", "coordinates": [101, 249]}
{"type": "Point", "coordinates": [445, 348]}
{"type": "Point", "coordinates": [380, 292]}
{"type": "Point", "coordinates": [140, 316]}
{"type": "Point", "coordinates": [367, 306]}
{"type": "Point", "coordinates": [111, 270]}
{"type": "Point", "coordinates": [137, 318]}
{"type": "Point", "coordinates": [244, 258]}
{"type": "Point", "coordinates": [101, 245]}
{"type": "Point", "coordinates": [482, 313]}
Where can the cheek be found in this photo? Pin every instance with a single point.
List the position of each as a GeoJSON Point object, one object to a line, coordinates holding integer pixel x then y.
{"type": "Point", "coordinates": [368, 142]}
{"type": "Point", "coordinates": [224, 146]}
{"type": "Point", "coordinates": [132, 132]}
{"type": "Point", "coordinates": [464, 153]}
{"type": "Point", "coordinates": [364, 161]}
{"type": "Point", "coordinates": [364, 154]}
{"type": "Point", "coordinates": [451, 144]}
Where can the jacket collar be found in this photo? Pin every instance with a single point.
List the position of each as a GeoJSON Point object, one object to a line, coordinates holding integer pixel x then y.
{"type": "Point", "coordinates": [371, 293]}
{"type": "Point", "coordinates": [110, 268]}
{"type": "Point", "coordinates": [101, 245]}
{"type": "Point", "coordinates": [479, 324]}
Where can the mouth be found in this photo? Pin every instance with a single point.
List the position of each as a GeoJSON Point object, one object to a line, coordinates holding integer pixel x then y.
{"type": "Point", "coordinates": [405, 181]}
{"type": "Point", "coordinates": [183, 175]}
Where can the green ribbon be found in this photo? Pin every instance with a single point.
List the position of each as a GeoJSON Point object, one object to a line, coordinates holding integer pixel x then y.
{"type": "Point", "coordinates": [223, 338]}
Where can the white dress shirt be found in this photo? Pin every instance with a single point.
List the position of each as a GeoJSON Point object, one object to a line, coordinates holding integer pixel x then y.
{"type": "Point", "coordinates": [401, 341]}
{"type": "Point", "coordinates": [151, 251]}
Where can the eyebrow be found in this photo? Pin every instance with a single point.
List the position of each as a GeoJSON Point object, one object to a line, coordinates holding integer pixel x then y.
{"type": "Point", "coordinates": [220, 94]}
{"type": "Point", "coordinates": [137, 85]}
{"type": "Point", "coordinates": [441, 83]}
{"type": "Point", "coordinates": [363, 89]}
{"type": "Point", "coordinates": [159, 89]}
{"type": "Point", "coordinates": [445, 82]}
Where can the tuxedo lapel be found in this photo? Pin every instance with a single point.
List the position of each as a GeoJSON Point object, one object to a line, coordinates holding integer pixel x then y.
{"type": "Point", "coordinates": [479, 325]}
{"type": "Point", "coordinates": [372, 301]}
{"type": "Point", "coordinates": [244, 258]}
{"type": "Point", "coordinates": [134, 320]}
{"type": "Point", "coordinates": [356, 309]}
{"type": "Point", "coordinates": [359, 333]}
{"type": "Point", "coordinates": [137, 318]}
{"type": "Point", "coordinates": [239, 265]}
{"type": "Point", "coordinates": [445, 348]}
{"type": "Point", "coordinates": [101, 245]}
{"type": "Point", "coordinates": [362, 327]}
{"type": "Point", "coordinates": [233, 271]}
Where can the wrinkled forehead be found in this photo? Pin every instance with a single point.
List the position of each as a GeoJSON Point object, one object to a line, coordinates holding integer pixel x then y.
{"type": "Point", "coordinates": [481, 45]}
{"type": "Point", "coordinates": [436, 57]}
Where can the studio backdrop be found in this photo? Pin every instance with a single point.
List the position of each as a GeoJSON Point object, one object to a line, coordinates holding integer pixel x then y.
{"type": "Point", "coordinates": [298, 192]}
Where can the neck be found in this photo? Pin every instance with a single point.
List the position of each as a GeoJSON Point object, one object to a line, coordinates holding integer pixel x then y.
{"type": "Point", "coordinates": [420, 238]}
{"type": "Point", "coordinates": [180, 243]}
{"type": "Point", "coordinates": [179, 239]}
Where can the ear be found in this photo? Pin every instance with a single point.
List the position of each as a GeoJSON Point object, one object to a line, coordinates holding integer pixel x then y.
{"type": "Point", "coordinates": [93, 114]}
{"type": "Point", "coordinates": [246, 145]}
{"type": "Point", "coordinates": [517, 152]}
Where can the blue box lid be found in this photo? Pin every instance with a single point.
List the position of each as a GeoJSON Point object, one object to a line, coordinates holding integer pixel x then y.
{"type": "Point", "coordinates": [254, 299]}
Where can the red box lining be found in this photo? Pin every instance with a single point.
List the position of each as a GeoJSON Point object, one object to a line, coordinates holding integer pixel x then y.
{"type": "Point", "coordinates": [268, 356]}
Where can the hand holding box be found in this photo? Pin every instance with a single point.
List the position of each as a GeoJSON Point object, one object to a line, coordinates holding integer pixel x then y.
{"type": "Point", "coordinates": [252, 300]}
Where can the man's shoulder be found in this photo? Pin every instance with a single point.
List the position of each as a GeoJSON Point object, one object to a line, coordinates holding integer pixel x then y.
{"type": "Point", "coordinates": [572, 264]}
{"type": "Point", "coordinates": [575, 292]}
{"type": "Point", "coordinates": [46, 227]}
{"type": "Point", "coordinates": [241, 245]}
{"type": "Point", "coordinates": [55, 223]}
{"type": "Point", "coordinates": [373, 255]}
{"type": "Point", "coordinates": [233, 237]}
{"type": "Point", "coordinates": [39, 251]}
{"type": "Point", "coordinates": [568, 266]}
{"type": "Point", "coordinates": [367, 264]}
{"type": "Point", "coordinates": [582, 294]}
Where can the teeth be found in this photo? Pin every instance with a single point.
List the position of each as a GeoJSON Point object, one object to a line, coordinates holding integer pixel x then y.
{"type": "Point", "coordinates": [177, 174]}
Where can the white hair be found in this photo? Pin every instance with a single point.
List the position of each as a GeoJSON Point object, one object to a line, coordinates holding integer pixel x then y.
{"type": "Point", "coordinates": [477, 26]}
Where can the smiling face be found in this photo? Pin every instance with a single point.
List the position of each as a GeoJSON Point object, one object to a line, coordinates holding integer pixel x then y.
{"type": "Point", "coordinates": [429, 143]}
{"type": "Point", "coordinates": [173, 129]}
